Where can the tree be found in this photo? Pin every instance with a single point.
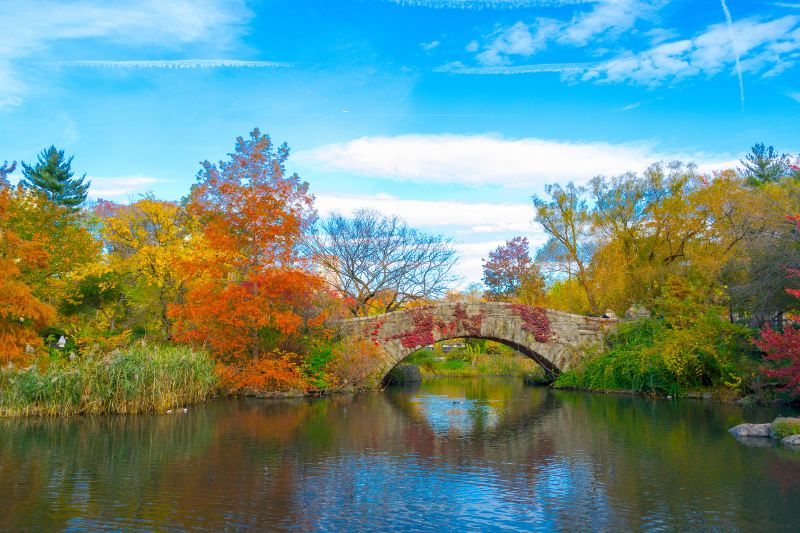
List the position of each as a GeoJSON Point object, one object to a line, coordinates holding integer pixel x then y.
{"type": "Point", "coordinates": [247, 285]}
{"type": "Point", "coordinates": [53, 176]}
{"type": "Point", "coordinates": [145, 240]}
{"type": "Point", "coordinates": [22, 314]}
{"type": "Point", "coordinates": [763, 165]}
{"type": "Point", "coordinates": [566, 217]}
{"type": "Point", "coordinates": [510, 273]}
{"type": "Point", "coordinates": [379, 262]}
{"type": "Point", "coordinates": [5, 170]}
{"type": "Point", "coordinates": [63, 234]}
{"type": "Point", "coordinates": [782, 349]}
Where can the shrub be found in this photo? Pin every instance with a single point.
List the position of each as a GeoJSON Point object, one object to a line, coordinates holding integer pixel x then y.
{"type": "Point", "coordinates": [273, 372]}
{"type": "Point", "coordinates": [649, 356]}
{"type": "Point", "coordinates": [785, 428]}
{"type": "Point", "coordinates": [355, 364]}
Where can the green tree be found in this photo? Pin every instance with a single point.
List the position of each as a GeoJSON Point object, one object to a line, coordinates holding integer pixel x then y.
{"type": "Point", "coordinates": [763, 165]}
{"type": "Point", "coordinates": [53, 176]}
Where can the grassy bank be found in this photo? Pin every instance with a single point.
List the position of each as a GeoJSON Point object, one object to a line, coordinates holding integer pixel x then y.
{"type": "Point", "coordinates": [650, 357]}
{"type": "Point", "coordinates": [134, 379]}
{"type": "Point", "coordinates": [468, 363]}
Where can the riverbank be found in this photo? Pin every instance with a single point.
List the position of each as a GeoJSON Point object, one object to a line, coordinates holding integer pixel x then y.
{"type": "Point", "coordinates": [707, 357]}
{"type": "Point", "coordinates": [135, 379]}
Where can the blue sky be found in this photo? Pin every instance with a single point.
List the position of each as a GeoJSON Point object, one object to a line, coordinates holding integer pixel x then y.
{"type": "Point", "coordinates": [450, 113]}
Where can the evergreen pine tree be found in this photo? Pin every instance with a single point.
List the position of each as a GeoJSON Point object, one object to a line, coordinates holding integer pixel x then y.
{"type": "Point", "coordinates": [763, 164]}
{"type": "Point", "coordinates": [53, 176]}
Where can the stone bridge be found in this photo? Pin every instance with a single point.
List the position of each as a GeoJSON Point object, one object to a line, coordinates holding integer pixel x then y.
{"type": "Point", "coordinates": [554, 339]}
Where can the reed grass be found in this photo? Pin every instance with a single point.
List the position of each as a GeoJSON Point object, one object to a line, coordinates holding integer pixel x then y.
{"type": "Point", "coordinates": [135, 379]}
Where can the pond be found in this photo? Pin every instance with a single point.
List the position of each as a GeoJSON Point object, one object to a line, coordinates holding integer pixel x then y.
{"type": "Point", "coordinates": [474, 454]}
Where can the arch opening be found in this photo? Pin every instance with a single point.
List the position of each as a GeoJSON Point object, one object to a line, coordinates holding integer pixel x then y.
{"type": "Point", "coordinates": [551, 371]}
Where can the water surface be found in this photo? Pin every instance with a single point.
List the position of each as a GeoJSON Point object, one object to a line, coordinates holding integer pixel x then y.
{"type": "Point", "coordinates": [474, 454]}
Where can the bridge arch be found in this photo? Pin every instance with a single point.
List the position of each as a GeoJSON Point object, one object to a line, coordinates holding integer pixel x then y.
{"type": "Point", "coordinates": [555, 340]}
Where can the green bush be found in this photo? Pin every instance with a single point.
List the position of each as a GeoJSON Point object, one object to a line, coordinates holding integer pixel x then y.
{"type": "Point", "coordinates": [135, 379]}
{"type": "Point", "coordinates": [316, 365]}
{"type": "Point", "coordinates": [649, 356]}
{"type": "Point", "coordinates": [785, 428]}
{"type": "Point", "coordinates": [424, 359]}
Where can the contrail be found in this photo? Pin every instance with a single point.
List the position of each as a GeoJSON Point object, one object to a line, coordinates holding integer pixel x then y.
{"type": "Point", "coordinates": [174, 64]}
{"type": "Point", "coordinates": [729, 20]}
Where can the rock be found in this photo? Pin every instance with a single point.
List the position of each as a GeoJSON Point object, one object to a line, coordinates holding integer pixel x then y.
{"type": "Point", "coordinates": [707, 395]}
{"type": "Point", "coordinates": [404, 374]}
{"type": "Point", "coordinates": [750, 430]}
{"type": "Point", "coordinates": [609, 314]}
{"type": "Point", "coordinates": [793, 441]}
{"type": "Point", "coordinates": [750, 399]}
{"type": "Point", "coordinates": [783, 427]}
{"type": "Point", "coordinates": [637, 311]}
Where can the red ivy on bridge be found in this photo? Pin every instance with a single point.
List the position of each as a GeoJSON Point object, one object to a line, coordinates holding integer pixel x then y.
{"type": "Point", "coordinates": [427, 327]}
{"type": "Point", "coordinates": [534, 320]}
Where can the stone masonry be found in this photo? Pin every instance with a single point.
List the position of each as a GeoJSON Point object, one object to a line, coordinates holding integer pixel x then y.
{"type": "Point", "coordinates": [554, 339]}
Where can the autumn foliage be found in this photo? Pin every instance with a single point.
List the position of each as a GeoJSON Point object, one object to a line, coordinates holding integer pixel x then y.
{"type": "Point", "coordinates": [782, 348]}
{"type": "Point", "coordinates": [22, 314]}
{"type": "Point", "coordinates": [247, 293]}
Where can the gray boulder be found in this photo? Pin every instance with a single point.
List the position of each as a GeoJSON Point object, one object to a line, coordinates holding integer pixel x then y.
{"type": "Point", "coordinates": [637, 311]}
{"type": "Point", "coordinates": [793, 441]}
{"type": "Point", "coordinates": [750, 430]}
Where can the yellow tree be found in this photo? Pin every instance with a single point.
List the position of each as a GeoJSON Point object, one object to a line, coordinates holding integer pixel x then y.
{"type": "Point", "coordinates": [145, 240]}
{"type": "Point", "coordinates": [565, 216]}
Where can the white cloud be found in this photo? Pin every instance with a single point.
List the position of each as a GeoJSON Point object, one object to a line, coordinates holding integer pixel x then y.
{"type": "Point", "coordinates": [499, 221]}
{"type": "Point", "coordinates": [517, 40]}
{"type": "Point", "coordinates": [606, 18]}
{"type": "Point", "coordinates": [794, 96]}
{"type": "Point", "coordinates": [32, 28]}
{"type": "Point", "coordinates": [493, 218]}
{"type": "Point", "coordinates": [771, 45]}
{"type": "Point", "coordinates": [476, 160]}
{"type": "Point", "coordinates": [457, 67]}
{"type": "Point", "coordinates": [429, 46]}
{"type": "Point", "coordinates": [10, 101]}
{"type": "Point", "coordinates": [123, 187]}
{"type": "Point", "coordinates": [630, 106]}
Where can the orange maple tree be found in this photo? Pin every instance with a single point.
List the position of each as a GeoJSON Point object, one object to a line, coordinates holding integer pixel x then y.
{"type": "Point", "coordinates": [248, 289]}
{"type": "Point", "coordinates": [22, 314]}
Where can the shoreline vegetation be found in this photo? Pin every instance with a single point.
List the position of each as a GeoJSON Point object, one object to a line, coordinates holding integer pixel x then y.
{"type": "Point", "coordinates": [136, 379]}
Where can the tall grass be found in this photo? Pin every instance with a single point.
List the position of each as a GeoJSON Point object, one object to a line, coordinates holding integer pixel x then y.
{"type": "Point", "coordinates": [134, 379]}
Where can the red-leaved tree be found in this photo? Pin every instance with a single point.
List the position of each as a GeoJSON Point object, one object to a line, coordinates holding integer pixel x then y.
{"type": "Point", "coordinates": [511, 274]}
{"type": "Point", "coordinates": [782, 349]}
